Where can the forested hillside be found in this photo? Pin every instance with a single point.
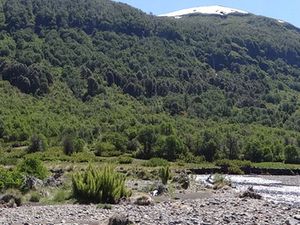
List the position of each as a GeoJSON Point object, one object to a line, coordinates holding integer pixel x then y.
{"type": "Point", "coordinates": [105, 77]}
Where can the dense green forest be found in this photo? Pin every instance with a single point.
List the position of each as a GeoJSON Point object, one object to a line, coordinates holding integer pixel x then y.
{"type": "Point", "coordinates": [101, 76]}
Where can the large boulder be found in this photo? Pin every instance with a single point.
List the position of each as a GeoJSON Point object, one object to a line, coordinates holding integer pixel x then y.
{"type": "Point", "coordinates": [250, 193]}
{"type": "Point", "coordinates": [143, 200]}
{"type": "Point", "coordinates": [183, 180]}
{"type": "Point", "coordinates": [32, 183]}
{"type": "Point", "coordinates": [11, 200]}
{"type": "Point", "coordinates": [119, 220]}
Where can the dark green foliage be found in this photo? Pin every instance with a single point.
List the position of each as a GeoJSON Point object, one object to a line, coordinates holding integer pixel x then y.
{"type": "Point", "coordinates": [32, 79]}
{"type": "Point", "coordinates": [37, 144]}
{"type": "Point", "coordinates": [209, 146]}
{"type": "Point", "coordinates": [147, 137]}
{"type": "Point", "coordinates": [292, 154]}
{"type": "Point", "coordinates": [164, 174]}
{"type": "Point", "coordinates": [99, 186]}
{"type": "Point", "coordinates": [207, 86]}
{"type": "Point", "coordinates": [72, 144]}
{"type": "Point", "coordinates": [69, 145]}
{"type": "Point", "coordinates": [171, 148]}
{"type": "Point", "coordinates": [254, 152]}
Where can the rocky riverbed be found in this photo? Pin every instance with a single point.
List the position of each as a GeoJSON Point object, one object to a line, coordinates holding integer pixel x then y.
{"type": "Point", "coordinates": [219, 207]}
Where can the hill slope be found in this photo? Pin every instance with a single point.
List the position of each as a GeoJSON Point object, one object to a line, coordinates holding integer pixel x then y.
{"type": "Point", "coordinates": [104, 72]}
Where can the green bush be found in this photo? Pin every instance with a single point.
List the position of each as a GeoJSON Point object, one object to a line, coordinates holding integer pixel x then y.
{"type": "Point", "coordinates": [60, 196]}
{"type": "Point", "coordinates": [83, 157]}
{"type": "Point", "coordinates": [106, 149]}
{"type": "Point", "coordinates": [69, 145]}
{"type": "Point", "coordinates": [37, 143]}
{"type": "Point", "coordinates": [190, 158]}
{"type": "Point", "coordinates": [35, 197]}
{"type": "Point", "coordinates": [292, 154]}
{"type": "Point", "coordinates": [10, 179]}
{"type": "Point", "coordinates": [234, 169]}
{"type": "Point", "coordinates": [165, 174]}
{"type": "Point", "coordinates": [125, 160]}
{"type": "Point", "coordinates": [155, 162]}
{"type": "Point", "coordinates": [33, 167]}
{"type": "Point", "coordinates": [79, 145]}
{"type": "Point", "coordinates": [99, 186]}
{"type": "Point", "coordinates": [233, 166]}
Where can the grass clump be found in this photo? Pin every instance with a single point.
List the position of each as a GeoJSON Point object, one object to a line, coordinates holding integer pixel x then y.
{"type": "Point", "coordinates": [156, 162]}
{"type": "Point", "coordinates": [60, 196]}
{"type": "Point", "coordinates": [99, 186]}
{"type": "Point", "coordinates": [125, 160]}
{"type": "Point", "coordinates": [165, 174]}
{"type": "Point", "coordinates": [35, 197]}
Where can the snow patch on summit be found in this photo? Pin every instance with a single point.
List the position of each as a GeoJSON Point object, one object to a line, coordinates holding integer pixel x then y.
{"type": "Point", "coordinates": [214, 10]}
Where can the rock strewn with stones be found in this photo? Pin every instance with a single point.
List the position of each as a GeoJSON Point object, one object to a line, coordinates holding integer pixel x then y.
{"type": "Point", "coordinates": [221, 208]}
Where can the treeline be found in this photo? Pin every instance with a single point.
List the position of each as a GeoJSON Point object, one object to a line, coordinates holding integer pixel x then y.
{"type": "Point", "coordinates": [108, 75]}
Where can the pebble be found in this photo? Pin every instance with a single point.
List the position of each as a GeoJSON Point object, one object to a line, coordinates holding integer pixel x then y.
{"type": "Point", "coordinates": [221, 208]}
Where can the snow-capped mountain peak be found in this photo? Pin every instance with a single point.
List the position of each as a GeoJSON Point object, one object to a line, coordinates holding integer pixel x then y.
{"type": "Point", "coordinates": [214, 10]}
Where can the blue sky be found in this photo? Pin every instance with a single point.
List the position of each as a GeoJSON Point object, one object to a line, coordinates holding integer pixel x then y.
{"type": "Point", "coordinates": [287, 10]}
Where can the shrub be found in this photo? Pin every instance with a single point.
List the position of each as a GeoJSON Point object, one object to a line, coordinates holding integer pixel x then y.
{"type": "Point", "coordinates": [106, 149]}
{"type": "Point", "coordinates": [234, 169]}
{"type": "Point", "coordinates": [10, 179]}
{"type": "Point", "coordinates": [190, 158]}
{"type": "Point", "coordinates": [171, 148]}
{"type": "Point", "coordinates": [83, 157]}
{"type": "Point", "coordinates": [35, 197]}
{"type": "Point", "coordinates": [233, 166]}
{"type": "Point", "coordinates": [72, 145]}
{"type": "Point", "coordinates": [68, 145]}
{"type": "Point", "coordinates": [33, 167]}
{"type": "Point", "coordinates": [292, 154]}
{"type": "Point", "coordinates": [99, 185]}
{"type": "Point", "coordinates": [60, 196]}
{"type": "Point", "coordinates": [165, 174]}
{"type": "Point", "coordinates": [79, 145]}
{"type": "Point", "coordinates": [37, 144]}
{"type": "Point", "coordinates": [125, 160]}
{"type": "Point", "coordinates": [155, 162]}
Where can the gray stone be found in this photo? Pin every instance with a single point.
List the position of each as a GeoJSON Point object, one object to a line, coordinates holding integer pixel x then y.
{"type": "Point", "coordinates": [119, 220]}
{"type": "Point", "coordinates": [297, 217]}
